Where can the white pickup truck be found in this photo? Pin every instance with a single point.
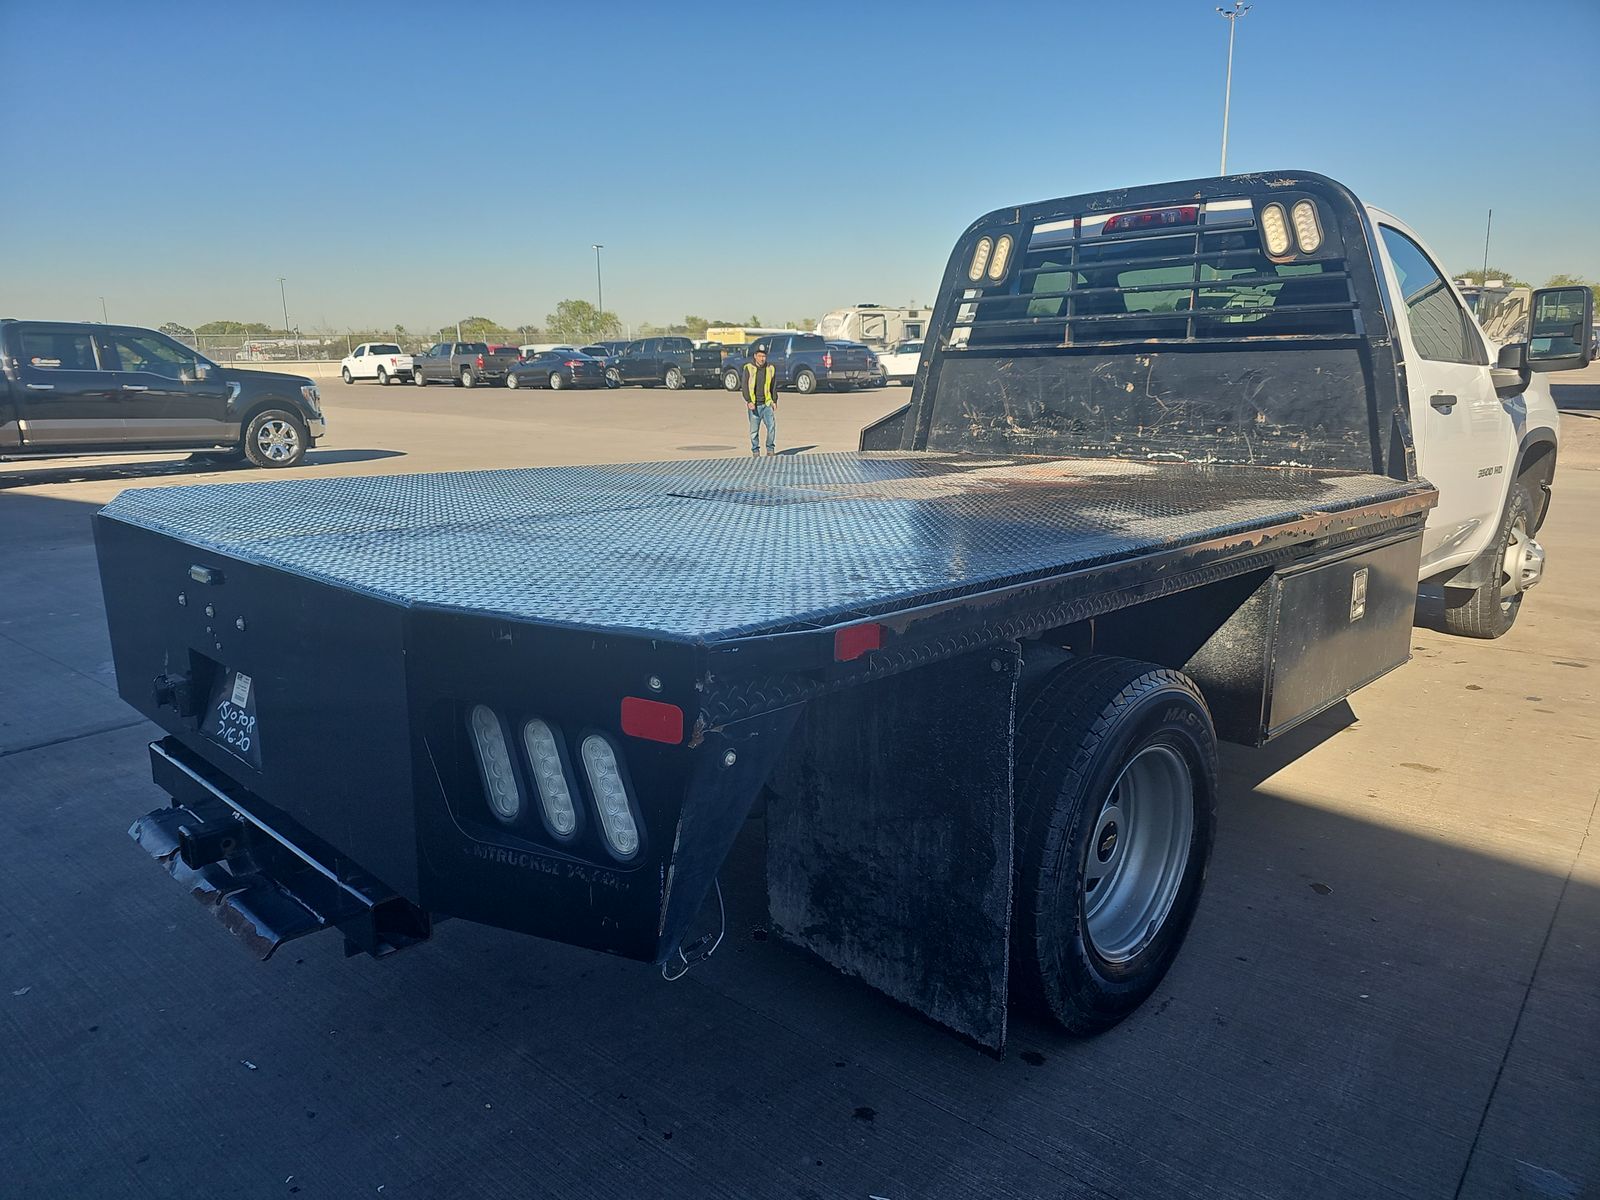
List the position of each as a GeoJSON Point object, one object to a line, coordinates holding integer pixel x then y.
{"type": "Point", "coordinates": [382, 361]}
{"type": "Point", "coordinates": [900, 361]}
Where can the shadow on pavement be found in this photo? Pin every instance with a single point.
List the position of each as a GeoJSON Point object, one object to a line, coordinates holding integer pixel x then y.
{"type": "Point", "coordinates": [100, 471]}
{"type": "Point", "coordinates": [1579, 399]}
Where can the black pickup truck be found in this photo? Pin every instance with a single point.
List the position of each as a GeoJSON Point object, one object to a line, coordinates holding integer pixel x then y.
{"type": "Point", "coordinates": [673, 361]}
{"type": "Point", "coordinates": [69, 389]}
{"type": "Point", "coordinates": [978, 671]}
{"type": "Point", "coordinates": [465, 363]}
{"type": "Point", "coordinates": [807, 362]}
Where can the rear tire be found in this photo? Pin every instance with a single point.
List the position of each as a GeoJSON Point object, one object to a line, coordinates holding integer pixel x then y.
{"type": "Point", "coordinates": [1490, 610]}
{"type": "Point", "coordinates": [276, 437]}
{"type": "Point", "coordinates": [1116, 815]}
{"type": "Point", "coordinates": [468, 379]}
{"type": "Point", "coordinates": [383, 377]}
{"type": "Point", "coordinates": [674, 379]}
{"type": "Point", "coordinates": [556, 381]}
{"type": "Point", "coordinates": [805, 381]}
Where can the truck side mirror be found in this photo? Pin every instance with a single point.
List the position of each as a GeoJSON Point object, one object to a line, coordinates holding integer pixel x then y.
{"type": "Point", "coordinates": [1558, 336]}
{"type": "Point", "coordinates": [1510, 372]}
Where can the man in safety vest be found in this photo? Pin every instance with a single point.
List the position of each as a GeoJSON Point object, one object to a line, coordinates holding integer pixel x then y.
{"type": "Point", "coordinates": [761, 398]}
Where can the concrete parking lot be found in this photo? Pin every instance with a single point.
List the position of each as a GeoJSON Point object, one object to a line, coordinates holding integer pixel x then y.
{"type": "Point", "coordinates": [1392, 988]}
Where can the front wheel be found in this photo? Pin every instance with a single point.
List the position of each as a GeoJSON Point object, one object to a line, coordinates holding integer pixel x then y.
{"type": "Point", "coordinates": [275, 438]}
{"type": "Point", "coordinates": [511, 380]}
{"type": "Point", "coordinates": [418, 378]}
{"type": "Point", "coordinates": [468, 379]}
{"type": "Point", "coordinates": [1490, 609]}
{"type": "Point", "coordinates": [613, 377]}
{"type": "Point", "coordinates": [345, 374]}
{"type": "Point", "coordinates": [730, 380]}
{"type": "Point", "coordinates": [674, 379]}
{"type": "Point", "coordinates": [557, 381]}
{"type": "Point", "coordinates": [805, 382]}
{"type": "Point", "coordinates": [1116, 814]}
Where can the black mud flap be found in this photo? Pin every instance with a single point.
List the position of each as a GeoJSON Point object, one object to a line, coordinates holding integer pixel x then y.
{"type": "Point", "coordinates": [889, 838]}
{"type": "Point", "coordinates": [266, 880]}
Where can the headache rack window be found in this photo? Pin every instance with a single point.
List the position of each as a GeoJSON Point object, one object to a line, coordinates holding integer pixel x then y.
{"type": "Point", "coordinates": [1212, 282]}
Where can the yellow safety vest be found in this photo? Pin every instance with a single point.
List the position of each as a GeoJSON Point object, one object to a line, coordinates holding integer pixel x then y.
{"type": "Point", "coordinates": [760, 391]}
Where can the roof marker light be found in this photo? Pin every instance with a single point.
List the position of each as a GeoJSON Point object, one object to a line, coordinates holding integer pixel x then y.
{"type": "Point", "coordinates": [1002, 256]}
{"type": "Point", "coordinates": [494, 762]}
{"type": "Point", "coordinates": [1307, 229]}
{"type": "Point", "coordinates": [610, 797]}
{"type": "Point", "coordinates": [1155, 218]}
{"type": "Point", "coordinates": [980, 258]}
{"type": "Point", "coordinates": [1275, 230]}
{"type": "Point", "coordinates": [545, 759]}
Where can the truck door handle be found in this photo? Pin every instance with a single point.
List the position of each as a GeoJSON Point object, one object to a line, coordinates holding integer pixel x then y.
{"type": "Point", "coordinates": [1443, 401]}
{"type": "Point", "coordinates": [134, 387]}
{"type": "Point", "coordinates": [41, 387]}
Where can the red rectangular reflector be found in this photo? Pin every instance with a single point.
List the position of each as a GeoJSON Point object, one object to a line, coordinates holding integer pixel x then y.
{"type": "Point", "coordinates": [652, 719]}
{"type": "Point", "coordinates": [851, 642]}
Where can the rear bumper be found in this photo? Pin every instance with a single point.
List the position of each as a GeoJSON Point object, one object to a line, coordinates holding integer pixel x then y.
{"type": "Point", "coordinates": [267, 880]}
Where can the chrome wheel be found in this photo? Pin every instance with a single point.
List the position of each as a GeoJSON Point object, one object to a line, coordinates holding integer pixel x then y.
{"type": "Point", "coordinates": [346, 374]}
{"type": "Point", "coordinates": [613, 377]}
{"type": "Point", "coordinates": [805, 383]}
{"type": "Point", "coordinates": [468, 379]}
{"type": "Point", "coordinates": [511, 380]}
{"type": "Point", "coordinates": [674, 378]}
{"type": "Point", "coordinates": [557, 381]}
{"type": "Point", "coordinates": [1523, 564]}
{"type": "Point", "coordinates": [277, 440]}
{"type": "Point", "coordinates": [730, 380]}
{"type": "Point", "coordinates": [1138, 853]}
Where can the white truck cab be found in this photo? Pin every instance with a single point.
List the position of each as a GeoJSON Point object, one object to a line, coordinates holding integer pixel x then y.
{"type": "Point", "coordinates": [382, 361]}
{"type": "Point", "coordinates": [1485, 436]}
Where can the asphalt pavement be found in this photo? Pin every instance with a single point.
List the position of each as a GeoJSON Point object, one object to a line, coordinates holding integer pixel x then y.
{"type": "Point", "coordinates": [1391, 990]}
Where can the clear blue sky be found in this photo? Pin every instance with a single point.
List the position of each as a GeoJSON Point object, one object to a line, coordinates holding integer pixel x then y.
{"type": "Point", "coordinates": [400, 165]}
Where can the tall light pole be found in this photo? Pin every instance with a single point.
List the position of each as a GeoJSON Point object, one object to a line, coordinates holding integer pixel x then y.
{"type": "Point", "coordinates": [1232, 14]}
{"type": "Point", "coordinates": [599, 288]}
{"type": "Point", "coordinates": [284, 296]}
{"type": "Point", "coordinates": [104, 320]}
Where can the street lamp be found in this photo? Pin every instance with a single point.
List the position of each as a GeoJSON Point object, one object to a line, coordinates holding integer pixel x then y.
{"type": "Point", "coordinates": [599, 289]}
{"type": "Point", "coordinates": [282, 295]}
{"type": "Point", "coordinates": [1232, 14]}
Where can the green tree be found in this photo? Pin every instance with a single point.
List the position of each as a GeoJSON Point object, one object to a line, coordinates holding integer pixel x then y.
{"type": "Point", "coordinates": [1478, 276]}
{"type": "Point", "coordinates": [173, 329]}
{"type": "Point", "coordinates": [696, 326]}
{"type": "Point", "coordinates": [476, 329]}
{"type": "Point", "coordinates": [577, 322]}
{"type": "Point", "coordinates": [247, 328]}
{"type": "Point", "coordinates": [1564, 280]}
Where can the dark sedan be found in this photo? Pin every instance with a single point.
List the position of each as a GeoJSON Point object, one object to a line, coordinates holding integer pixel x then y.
{"type": "Point", "coordinates": [558, 369]}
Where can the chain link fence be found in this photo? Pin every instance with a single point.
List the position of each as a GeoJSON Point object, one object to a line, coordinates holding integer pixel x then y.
{"type": "Point", "coordinates": [301, 347]}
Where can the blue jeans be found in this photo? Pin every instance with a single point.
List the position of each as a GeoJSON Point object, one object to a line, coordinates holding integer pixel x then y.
{"type": "Point", "coordinates": [763, 414]}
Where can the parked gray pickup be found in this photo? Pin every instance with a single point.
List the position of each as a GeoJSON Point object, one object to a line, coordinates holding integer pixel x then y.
{"type": "Point", "coordinates": [464, 363]}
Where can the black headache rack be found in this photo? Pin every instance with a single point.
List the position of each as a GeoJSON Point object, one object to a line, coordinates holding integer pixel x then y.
{"type": "Point", "coordinates": [1235, 319]}
{"type": "Point", "coordinates": [354, 629]}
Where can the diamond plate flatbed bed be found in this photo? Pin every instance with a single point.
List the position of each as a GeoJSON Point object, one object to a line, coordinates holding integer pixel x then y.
{"type": "Point", "coordinates": [713, 551]}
